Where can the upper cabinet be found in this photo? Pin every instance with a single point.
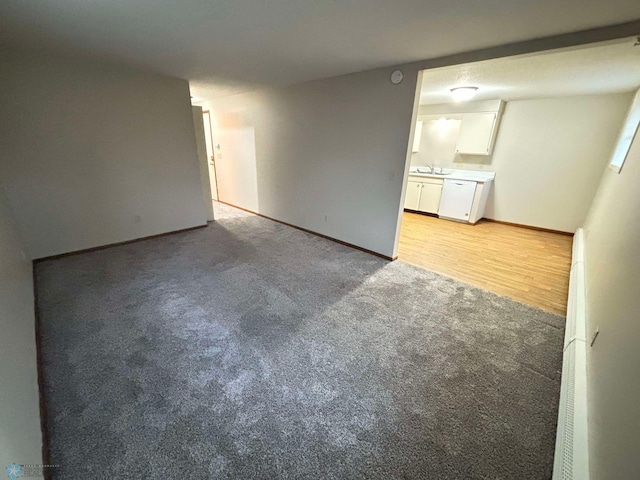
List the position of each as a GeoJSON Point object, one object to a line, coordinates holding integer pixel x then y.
{"type": "Point", "coordinates": [477, 133]}
{"type": "Point", "coordinates": [479, 122]}
{"type": "Point", "coordinates": [417, 135]}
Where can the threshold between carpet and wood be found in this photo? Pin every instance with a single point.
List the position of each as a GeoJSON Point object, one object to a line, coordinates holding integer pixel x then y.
{"type": "Point", "coordinates": [249, 349]}
{"type": "Point", "coordinates": [526, 265]}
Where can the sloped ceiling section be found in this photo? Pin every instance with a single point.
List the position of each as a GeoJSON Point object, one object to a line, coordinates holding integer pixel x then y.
{"type": "Point", "coordinates": [240, 44]}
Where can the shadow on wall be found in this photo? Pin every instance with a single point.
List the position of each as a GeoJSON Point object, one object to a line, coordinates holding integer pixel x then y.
{"type": "Point", "coordinates": [490, 209]}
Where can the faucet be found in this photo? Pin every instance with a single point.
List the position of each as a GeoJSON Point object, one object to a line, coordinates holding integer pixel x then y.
{"type": "Point", "coordinates": [431, 169]}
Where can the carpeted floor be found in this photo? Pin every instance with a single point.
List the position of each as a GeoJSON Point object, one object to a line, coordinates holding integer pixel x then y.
{"type": "Point", "coordinates": [249, 349]}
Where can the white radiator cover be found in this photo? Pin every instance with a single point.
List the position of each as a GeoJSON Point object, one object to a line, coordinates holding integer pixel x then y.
{"type": "Point", "coordinates": [572, 455]}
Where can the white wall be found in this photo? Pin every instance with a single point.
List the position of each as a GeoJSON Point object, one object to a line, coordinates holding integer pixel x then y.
{"type": "Point", "coordinates": [437, 142]}
{"type": "Point", "coordinates": [95, 154]}
{"type": "Point", "coordinates": [548, 157]}
{"type": "Point", "coordinates": [236, 165]}
{"type": "Point", "coordinates": [20, 435]}
{"type": "Point", "coordinates": [329, 155]}
{"type": "Point", "coordinates": [612, 266]}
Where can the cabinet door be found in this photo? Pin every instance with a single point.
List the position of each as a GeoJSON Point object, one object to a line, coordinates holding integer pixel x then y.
{"type": "Point", "coordinates": [430, 197]}
{"type": "Point", "coordinates": [476, 133]}
{"type": "Point", "coordinates": [412, 198]}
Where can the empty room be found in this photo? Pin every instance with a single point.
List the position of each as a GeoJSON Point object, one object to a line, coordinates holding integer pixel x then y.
{"type": "Point", "coordinates": [302, 239]}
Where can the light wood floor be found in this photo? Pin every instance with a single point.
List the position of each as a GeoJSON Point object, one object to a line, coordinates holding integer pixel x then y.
{"type": "Point", "coordinates": [526, 265]}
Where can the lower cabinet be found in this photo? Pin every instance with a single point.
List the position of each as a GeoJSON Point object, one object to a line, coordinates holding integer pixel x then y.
{"type": "Point", "coordinates": [459, 200]}
{"type": "Point", "coordinates": [423, 195]}
{"type": "Point", "coordinates": [412, 198]}
{"type": "Point", "coordinates": [430, 197]}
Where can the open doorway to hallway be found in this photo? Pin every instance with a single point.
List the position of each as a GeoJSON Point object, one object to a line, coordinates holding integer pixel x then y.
{"type": "Point", "coordinates": [506, 159]}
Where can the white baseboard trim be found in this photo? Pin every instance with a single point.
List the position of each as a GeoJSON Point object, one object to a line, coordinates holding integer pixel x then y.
{"type": "Point", "coordinates": [572, 454]}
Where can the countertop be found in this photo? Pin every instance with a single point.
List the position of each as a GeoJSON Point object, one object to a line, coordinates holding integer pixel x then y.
{"type": "Point", "coordinates": [472, 175]}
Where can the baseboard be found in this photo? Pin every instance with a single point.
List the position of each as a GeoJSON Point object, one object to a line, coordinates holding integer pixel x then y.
{"type": "Point", "coordinates": [109, 245]}
{"type": "Point", "coordinates": [571, 453]}
{"type": "Point", "coordinates": [371, 252]}
{"type": "Point", "coordinates": [426, 214]}
{"type": "Point", "coordinates": [530, 227]}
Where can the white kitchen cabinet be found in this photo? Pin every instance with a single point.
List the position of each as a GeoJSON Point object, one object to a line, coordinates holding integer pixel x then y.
{"type": "Point", "coordinates": [430, 197]}
{"type": "Point", "coordinates": [462, 196]}
{"type": "Point", "coordinates": [457, 198]}
{"type": "Point", "coordinates": [423, 194]}
{"type": "Point", "coordinates": [412, 197]}
{"type": "Point", "coordinates": [477, 133]}
{"type": "Point", "coordinates": [417, 136]}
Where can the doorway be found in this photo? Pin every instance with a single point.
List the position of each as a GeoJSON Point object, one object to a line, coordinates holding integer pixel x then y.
{"type": "Point", "coordinates": [485, 201]}
{"type": "Point", "coordinates": [211, 160]}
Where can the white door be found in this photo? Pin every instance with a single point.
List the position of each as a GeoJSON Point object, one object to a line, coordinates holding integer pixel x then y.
{"type": "Point", "coordinates": [457, 199]}
{"type": "Point", "coordinates": [236, 165]}
{"type": "Point", "coordinates": [210, 156]}
{"type": "Point", "coordinates": [412, 198]}
{"type": "Point", "coordinates": [430, 197]}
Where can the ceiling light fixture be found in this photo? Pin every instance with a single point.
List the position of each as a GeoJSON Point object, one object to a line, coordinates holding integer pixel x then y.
{"type": "Point", "coordinates": [462, 94]}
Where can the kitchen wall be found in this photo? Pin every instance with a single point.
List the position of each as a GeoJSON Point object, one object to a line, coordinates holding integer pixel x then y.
{"type": "Point", "coordinates": [437, 142]}
{"type": "Point", "coordinates": [20, 435]}
{"type": "Point", "coordinates": [612, 266]}
{"type": "Point", "coordinates": [95, 153]}
{"type": "Point", "coordinates": [328, 155]}
{"type": "Point", "coordinates": [548, 156]}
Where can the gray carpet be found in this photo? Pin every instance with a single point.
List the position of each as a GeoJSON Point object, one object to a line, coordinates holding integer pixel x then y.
{"type": "Point", "coordinates": [249, 349]}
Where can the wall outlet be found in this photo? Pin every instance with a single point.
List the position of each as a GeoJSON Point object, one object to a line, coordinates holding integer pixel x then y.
{"type": "Point", "coordinates": [392, 175]}
{"type": "Point", "coordinates": [326, 217]}
{"type": "Point", "coordinates": [137, 219]}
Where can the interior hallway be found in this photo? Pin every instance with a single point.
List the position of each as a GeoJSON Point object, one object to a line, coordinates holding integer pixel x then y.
{"type": "Point", "coordinates": [526, 265]}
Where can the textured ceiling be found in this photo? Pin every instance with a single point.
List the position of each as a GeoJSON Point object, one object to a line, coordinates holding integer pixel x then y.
{"type": "Point", "coordinates": [240, 44]}
{"type": "Point", "coordinates": [598, 68]}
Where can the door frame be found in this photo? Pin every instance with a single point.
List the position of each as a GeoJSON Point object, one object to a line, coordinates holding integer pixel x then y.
{"type": "Point", "coordinates": [207, 124]}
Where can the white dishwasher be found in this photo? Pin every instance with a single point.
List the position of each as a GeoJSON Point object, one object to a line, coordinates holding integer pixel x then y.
{"type": "Point", "coordinates": [457, 199]}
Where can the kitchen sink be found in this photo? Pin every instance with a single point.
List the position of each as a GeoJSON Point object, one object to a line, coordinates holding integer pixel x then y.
{"type": "Point", "coordinates": [427, 172]}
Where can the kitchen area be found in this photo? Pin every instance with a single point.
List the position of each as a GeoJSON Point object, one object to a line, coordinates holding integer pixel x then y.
{"type": "Point", "coordinates": [506, 157]}
{"type": "Point", "coordinates": [443, 133]}
{"type": "Point", "coordinates": [487, 200]}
